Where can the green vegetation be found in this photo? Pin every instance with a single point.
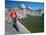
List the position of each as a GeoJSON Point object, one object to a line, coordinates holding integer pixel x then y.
{"type": "Point", "coordinates": [33, 23]}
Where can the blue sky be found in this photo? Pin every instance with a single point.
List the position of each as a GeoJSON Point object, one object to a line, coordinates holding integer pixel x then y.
{"type": "Point", "coordinates": [33, 5]}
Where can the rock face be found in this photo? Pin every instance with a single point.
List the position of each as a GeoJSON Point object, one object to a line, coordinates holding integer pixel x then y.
{"type": "Point", "coordinates": [9, 30]}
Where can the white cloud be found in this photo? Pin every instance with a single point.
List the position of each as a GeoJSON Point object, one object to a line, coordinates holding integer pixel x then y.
{"type": "Point", "coordinates": [23, 6]}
